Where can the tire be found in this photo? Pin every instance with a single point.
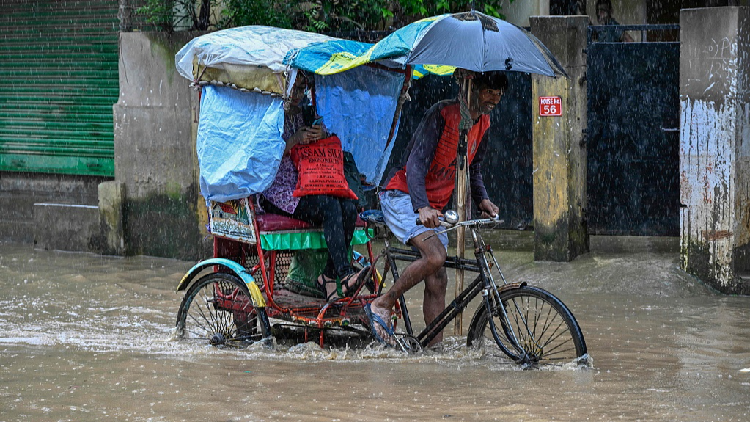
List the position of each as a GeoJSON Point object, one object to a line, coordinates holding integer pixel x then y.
{"type": "Point", "coordinates": [546, 330]}
{"type": "Point", "coordinates": [218, 309]}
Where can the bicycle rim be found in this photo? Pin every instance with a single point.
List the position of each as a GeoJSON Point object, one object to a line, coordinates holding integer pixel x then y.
{"type": "Point", "coordinates": [532, 327]}
{"type": "Point", "coordinates": [218, 309]}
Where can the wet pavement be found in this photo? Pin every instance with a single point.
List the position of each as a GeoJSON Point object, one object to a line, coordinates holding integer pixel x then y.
{"type": "Point", "coordinates": [87, 338]}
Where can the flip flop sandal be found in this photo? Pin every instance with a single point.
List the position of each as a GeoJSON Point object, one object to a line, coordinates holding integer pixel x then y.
{"type": "Point", "coordinates": [359, 280]}
{"type": "Point", "coordinates": [376, 319]}
{"type": "Point", "coordinates": [321, 283]}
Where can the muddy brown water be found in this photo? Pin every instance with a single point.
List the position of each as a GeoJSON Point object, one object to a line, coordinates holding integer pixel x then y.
{"type": "Point", "coordinates": [88, 338]}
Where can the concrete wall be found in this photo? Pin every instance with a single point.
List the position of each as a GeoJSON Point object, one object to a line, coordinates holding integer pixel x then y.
{"type": "Point", "coordinates": [518, 12]}
{"type": "Point", "coordinates": [627, 12]}
{"type": "Point", "coordinates": [19, 192]}
{"type": "Point", "coordinates": [715, 146]}
{"type": "Point", "coordinates": [558, 143]}
{"type": "Point", "coordinates": [163, 213]}
{"type": "Point", "coordinates": [67, 227]}
{"type": "Point", "coordinates": [153, 207]}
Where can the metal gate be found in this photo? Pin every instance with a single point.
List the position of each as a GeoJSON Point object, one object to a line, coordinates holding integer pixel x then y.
{"type": "Point", "coordinates": [633, 136]}
{"type": "Point", "coordinates": [58, 82]}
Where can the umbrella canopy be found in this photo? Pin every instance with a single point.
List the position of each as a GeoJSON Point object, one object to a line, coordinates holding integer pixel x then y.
{"type": "Point", "coordinates": [475, 41]}
{"type": "Point", "coordinates": [469, 40]}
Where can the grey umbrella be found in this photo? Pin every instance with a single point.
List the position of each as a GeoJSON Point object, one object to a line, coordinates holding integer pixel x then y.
{"type": "Point", "coordinates": [473, 41]}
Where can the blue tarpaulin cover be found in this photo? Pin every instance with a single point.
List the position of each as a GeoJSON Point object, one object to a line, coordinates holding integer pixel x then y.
{"type": "Point", "coordinates": [239, 142]}
{"type": "Point", "coordinates": [248, 46]}
{"type": "Point", "coordinates": [358, 106]}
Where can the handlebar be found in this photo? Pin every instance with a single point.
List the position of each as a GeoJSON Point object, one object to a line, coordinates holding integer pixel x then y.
{"type": "Point", "coordinates": [468, 223]}
{"type": "Point", "coordinates": [450, 218]}
{"type": "Point", "coordinates": [443, 223]}
{"type": "Point", "coordinates": [451, 221]}
{"type": "Point", "coordinates": [479, 222]}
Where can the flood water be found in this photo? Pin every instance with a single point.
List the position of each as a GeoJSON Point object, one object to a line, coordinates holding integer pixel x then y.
{"type": "Point", "coordinates": [88, 338]}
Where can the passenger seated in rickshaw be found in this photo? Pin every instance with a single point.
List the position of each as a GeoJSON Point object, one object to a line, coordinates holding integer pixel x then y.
{"type": "Point", "coordinates": [337, 215]}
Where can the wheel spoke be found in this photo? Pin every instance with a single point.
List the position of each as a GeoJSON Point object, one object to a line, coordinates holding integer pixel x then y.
{"type": "Point", "coordinates": [205, 301]}
{"type": "Point", "coordinates": [218, 308]}
{"type": "Point", "coordinates": [535, 327]}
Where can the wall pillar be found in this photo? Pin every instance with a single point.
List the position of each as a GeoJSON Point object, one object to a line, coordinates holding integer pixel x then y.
{"type": "Point", "coordinates": [155, 158]}
{"type": "Point", "coordinates": [111, 203]}
{"type": "Point", "coordinates": [559, 149]}
{"type": "Point", "coordinates": [715, 146]}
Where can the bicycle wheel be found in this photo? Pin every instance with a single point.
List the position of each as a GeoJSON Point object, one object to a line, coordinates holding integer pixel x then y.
{"type": "Point", "coordinates": [218, 309]}
{"type": "Point", "coordinates": [537, 327]}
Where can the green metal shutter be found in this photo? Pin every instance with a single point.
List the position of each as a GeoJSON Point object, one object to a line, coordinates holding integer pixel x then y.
{"type": "Point", "coordinates": [58, 82]}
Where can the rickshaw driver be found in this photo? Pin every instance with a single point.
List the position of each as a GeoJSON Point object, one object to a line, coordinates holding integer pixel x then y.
{"type": "Point", "coordinates": [422, 187]}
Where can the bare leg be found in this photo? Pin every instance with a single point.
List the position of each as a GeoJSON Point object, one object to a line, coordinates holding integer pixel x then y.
{"type": "Point", "coordinates": [434, 299]}
{"type": "Point", "coordinates": [425, 268]}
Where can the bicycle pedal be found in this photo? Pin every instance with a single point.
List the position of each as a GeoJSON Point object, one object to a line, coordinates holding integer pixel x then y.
{"type": "Point", "coordinates": [408, 344]}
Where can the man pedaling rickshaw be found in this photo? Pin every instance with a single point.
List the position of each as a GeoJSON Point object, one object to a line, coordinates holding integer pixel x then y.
{"type": "Point", "coordinates": [422, 186]}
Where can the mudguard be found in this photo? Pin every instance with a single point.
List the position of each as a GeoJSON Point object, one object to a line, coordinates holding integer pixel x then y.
{"type": "Point", "coordinates": [237, 269]}
{"type": "Point", "coordinates": [510, 286]}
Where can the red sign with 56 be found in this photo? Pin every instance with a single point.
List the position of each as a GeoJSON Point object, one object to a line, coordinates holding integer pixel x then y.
{"type": "Point", "coordinates": [550, 106]}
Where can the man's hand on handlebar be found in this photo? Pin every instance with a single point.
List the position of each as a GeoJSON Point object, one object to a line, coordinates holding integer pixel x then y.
{"type": "Point", "coordinates": [489, 210]}
{"type": "Point", "coordinates": [430, 217]}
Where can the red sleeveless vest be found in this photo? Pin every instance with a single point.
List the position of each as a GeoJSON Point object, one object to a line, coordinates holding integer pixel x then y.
{"type": "Point", "coordinates": [441, 177]}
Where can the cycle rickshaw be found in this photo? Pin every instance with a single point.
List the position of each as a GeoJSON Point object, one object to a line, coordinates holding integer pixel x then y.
{"type": "Point", "coordinates": [233, 298]}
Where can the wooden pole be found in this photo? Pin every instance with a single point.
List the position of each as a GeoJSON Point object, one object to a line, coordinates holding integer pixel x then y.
{"type": "Point", "coordinates": [399, 104]}
{"type": "Point", "coordinates": [462, 178]}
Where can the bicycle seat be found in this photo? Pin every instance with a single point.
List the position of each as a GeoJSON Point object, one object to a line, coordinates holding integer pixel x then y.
{"type": "Point", "coordinates": [274, 222]}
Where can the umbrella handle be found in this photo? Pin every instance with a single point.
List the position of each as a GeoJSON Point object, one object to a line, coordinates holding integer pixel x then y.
{"type": "Point", "coordinates": [461, 73]}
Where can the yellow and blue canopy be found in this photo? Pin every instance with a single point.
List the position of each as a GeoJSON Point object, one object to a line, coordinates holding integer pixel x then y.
{"type": "Point", "coordinates": [335, 56]}
{"type": "Point", "coordinates": [439, 44]}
